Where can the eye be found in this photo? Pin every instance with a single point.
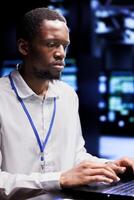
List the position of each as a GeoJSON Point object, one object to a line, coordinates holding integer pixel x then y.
{"type": "Point", "coordinates": [51, 44]}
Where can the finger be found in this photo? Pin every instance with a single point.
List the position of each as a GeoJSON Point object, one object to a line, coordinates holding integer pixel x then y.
{"type": "Point", "coordinates": [102, 172]}
{"type": "Point", "coordinates": [117, 169]}
{"type": "Point", "coordinates": [125, 162]}
{"type": "Point", "coordinates": [100, 178]}
{"type": "Point", "coordinates": [105, 166]}
{"type": "Point", "coordinates": [94, 165]}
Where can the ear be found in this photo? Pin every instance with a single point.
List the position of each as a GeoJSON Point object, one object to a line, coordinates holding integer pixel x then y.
{"type": "Point", "coordinates": [23, 47]}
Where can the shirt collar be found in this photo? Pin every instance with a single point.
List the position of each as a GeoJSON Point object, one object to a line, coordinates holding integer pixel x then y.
{"type": "Point", "coordinates": [24, 91]}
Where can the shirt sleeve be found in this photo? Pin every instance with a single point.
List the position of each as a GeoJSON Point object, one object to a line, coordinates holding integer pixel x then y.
{"type": "Point", "coordinates": [10, 182]}
{"type": "Point", "coordinates": [81, 152]}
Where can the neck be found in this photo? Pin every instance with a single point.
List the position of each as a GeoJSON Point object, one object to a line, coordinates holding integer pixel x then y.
{"type": "Point", "coordinates": [39, 86]}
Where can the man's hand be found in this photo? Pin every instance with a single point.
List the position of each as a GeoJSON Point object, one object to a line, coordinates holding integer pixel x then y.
{"type": "Point", "coordinates": [88, 172]}
{"type": "Point", "coordinates": [125, 162]}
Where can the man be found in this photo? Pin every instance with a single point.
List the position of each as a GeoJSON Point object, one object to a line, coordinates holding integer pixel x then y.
{"type": "Point", "coordinates": [41, 141]}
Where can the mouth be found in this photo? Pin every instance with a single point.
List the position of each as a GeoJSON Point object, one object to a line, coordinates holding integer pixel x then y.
{"type": "Point", "coordinates": [58, 65]}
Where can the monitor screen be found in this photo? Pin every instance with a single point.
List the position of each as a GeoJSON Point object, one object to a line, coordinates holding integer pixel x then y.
{"type": "Point", "coordinates": [116, 103]}
{"type": "Point", "coordinates": [69, 74]}
{"type": "Point", "coordinates": [116, 2]}
{"type": "Point", "coordinates": [8, 66]}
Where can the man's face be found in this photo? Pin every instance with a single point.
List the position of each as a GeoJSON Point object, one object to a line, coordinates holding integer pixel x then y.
{"type": "Point", "coordinates": [47, 51]}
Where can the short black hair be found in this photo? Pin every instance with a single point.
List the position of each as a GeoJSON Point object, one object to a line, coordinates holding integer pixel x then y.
{"type": "Point", "coordinates": [30, 23]}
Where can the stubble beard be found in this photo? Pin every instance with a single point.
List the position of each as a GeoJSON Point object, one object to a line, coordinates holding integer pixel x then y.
{"type": "Point", "coordinates": [46, 75]}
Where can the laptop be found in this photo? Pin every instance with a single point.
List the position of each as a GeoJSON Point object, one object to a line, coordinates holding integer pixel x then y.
{"type": "Point", "coordinates": [122, 190]}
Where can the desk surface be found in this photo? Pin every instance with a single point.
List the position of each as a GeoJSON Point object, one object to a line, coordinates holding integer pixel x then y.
{"type": "Point", "coordinates": [69, 194]}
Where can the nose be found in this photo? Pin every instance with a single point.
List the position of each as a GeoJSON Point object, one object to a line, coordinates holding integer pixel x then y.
{"type": "Point", "coordinates": [59, 53]}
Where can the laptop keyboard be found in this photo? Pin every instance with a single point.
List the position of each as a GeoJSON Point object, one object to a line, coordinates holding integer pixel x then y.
{"type": "Point", "coordinates": [122, 189]}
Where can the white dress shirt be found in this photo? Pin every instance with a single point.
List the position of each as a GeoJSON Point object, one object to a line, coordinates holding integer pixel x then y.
{"type": "Point", "coordinates": [20, 153]}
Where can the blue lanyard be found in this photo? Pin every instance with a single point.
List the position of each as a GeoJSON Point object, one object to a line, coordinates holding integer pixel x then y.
{"type": "Point", "coordinates": [41, 145]}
